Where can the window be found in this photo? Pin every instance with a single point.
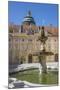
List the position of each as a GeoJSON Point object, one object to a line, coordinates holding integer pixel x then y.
{"type": "Point", "coordinates": [16, 40]}
{"type": "Point", "coordinates": [23, 39]}
{"type": "Point", "coordinates": [29, 39]}
{"type": "Point", "coordinates": [55, 40]}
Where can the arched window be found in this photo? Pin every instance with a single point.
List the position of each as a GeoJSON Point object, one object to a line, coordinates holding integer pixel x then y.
{"type": "Point", "coordinates": [56, 57]}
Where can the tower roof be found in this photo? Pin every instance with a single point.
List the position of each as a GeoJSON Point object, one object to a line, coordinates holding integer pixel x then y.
{"type": "Point", "coordinates": [28, 19]}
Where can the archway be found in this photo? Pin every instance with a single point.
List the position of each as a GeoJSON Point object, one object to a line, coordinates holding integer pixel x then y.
{"type": "Point", "coordinates": [56, 57]}
{"type": "Point", "coordinates": [30, 58]}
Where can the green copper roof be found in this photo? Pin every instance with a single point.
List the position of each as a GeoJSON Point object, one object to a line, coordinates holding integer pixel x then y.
{"type": "Point", "coordinates": [28, 19]}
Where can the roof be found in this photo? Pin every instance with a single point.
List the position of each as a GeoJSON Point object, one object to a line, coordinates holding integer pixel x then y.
{"type": "Point", "coordinates": [51, 30]}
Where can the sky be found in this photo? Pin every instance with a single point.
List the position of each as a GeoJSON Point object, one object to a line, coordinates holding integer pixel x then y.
{"type": "Point", "coordinates": [44, 14]}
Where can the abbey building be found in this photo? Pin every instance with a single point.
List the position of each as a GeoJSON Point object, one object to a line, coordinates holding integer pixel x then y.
{"type": "Point", "coordinates": [23, 41]}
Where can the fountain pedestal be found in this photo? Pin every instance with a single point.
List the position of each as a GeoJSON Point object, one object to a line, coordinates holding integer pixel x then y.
{"type": "Point", "coordinates": [42, 61]}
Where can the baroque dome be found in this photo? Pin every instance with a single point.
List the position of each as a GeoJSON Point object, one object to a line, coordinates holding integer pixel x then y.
{"type": "Point", "coordinates": [28, 19]}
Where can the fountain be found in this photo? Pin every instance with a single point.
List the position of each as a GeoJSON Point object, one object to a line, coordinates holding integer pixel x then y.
{"type": "Point", "coordinates": [42, 53]}
{"type": "Point", "coordinates": [41, 56]}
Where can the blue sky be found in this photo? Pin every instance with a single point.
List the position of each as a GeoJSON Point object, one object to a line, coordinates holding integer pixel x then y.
{"type": "Point", "coordinates": [44, 14]}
